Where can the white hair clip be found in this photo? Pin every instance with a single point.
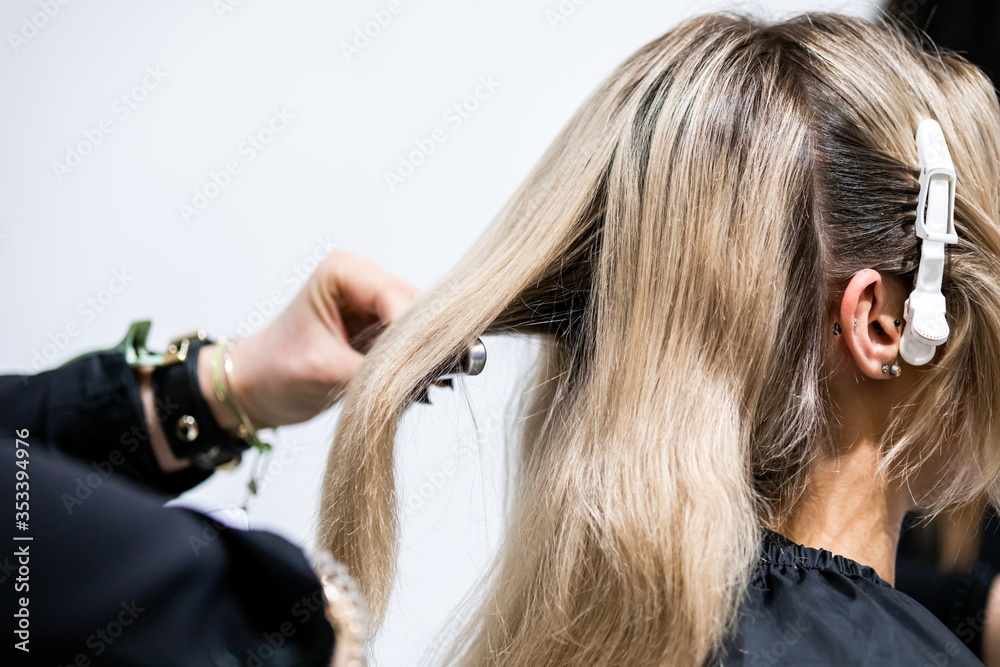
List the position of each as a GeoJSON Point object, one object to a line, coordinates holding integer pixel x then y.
{"type": "Point", "coordinates": [926, 324]}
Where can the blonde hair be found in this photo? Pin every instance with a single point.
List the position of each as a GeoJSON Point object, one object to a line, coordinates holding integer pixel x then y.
{"type": "Point", "coordinates": [678, 250]}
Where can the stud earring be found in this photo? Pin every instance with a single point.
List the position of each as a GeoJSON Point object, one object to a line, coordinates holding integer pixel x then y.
{"type": "Point", "coordinates": [897, 323]}
{"type": "Point", "coordinates": [892, 370]}
{"type": "Point", "coordinates": [836, 328]}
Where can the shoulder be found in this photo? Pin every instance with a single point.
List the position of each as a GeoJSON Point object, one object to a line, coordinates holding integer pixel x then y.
{"type": "Point", "coordinates": [809, 607]}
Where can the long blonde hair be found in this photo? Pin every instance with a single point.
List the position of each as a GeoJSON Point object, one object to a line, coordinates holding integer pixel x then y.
{"type": "Point", "coordinates": [677, 250]}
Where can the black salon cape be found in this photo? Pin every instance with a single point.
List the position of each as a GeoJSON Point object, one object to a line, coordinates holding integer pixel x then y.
{"type": "Point", "coordinates": [111, 577]}
{"type": "Point", "coordinates": [809, 607]}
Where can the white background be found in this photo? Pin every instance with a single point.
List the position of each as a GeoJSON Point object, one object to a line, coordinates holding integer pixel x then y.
{"type": "Point", "coordinates": [319, 182]}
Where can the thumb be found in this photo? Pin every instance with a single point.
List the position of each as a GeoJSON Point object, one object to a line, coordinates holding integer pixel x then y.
{"type": "Point", "coordinates": [390, 304]}
{"type": "Point", "coordinates": [347, 363]}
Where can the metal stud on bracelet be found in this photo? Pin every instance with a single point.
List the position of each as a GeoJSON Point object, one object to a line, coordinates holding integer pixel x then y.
{"type": "Point", "coordinates": [178, 404]}
{"type": "Point", "coordinates": [187, 428]}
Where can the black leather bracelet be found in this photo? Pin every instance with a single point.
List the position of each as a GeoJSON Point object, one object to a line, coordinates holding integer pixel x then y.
{"type": "Point", "coordinates": [187, 421]}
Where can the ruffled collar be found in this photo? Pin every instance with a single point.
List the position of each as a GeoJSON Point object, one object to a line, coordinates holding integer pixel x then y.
{"type": "Point", "coordinates": [778, 550]}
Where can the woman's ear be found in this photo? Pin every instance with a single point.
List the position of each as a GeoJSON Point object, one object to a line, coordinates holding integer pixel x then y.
{"type": "Point", "coordinates": [870, 324]}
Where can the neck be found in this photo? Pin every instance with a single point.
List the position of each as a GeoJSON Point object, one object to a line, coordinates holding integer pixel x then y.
{"type": "Point", "coordinates": [849, 510]}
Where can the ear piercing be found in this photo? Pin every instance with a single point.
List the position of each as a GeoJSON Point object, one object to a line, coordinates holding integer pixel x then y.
{"type": "Point", "coordinates": [891, 370]}
{"type": "Point", "coordinates": [837, 330]}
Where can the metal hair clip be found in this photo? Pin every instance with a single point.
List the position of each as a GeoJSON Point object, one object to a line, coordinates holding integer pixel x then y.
{"type": "Point", "coordinates": [925, 309]}
{"type": "Point", "coordinates": [472, 362]}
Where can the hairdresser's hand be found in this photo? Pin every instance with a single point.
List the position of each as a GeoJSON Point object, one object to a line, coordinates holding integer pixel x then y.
{"type": "Point", "coordinates": [299, 365]}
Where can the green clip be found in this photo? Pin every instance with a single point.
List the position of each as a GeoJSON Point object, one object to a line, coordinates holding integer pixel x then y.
{"type": "Point", "coordinates": [134, 346]}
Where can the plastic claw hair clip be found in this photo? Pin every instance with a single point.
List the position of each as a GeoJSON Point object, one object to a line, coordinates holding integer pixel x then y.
{"type": "Point", "coordinates": [925, 309]}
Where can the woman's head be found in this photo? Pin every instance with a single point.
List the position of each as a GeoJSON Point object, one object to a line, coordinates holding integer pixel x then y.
{"type": "Point", "coordinates": [683, 249]}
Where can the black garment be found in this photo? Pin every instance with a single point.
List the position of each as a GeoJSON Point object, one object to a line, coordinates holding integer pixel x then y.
{"type": "Point", "coordinates": [113, 577]}
{"type": "Point", "coordinates": [960, 599]}
{"type": "Point", "coordinates": [809, 607]}
{"type": "Point", "coordinates": [957, 599]}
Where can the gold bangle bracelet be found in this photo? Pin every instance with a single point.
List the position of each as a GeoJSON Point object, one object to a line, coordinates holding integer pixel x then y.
{"type": "Point", "coordinates": [222, 370]}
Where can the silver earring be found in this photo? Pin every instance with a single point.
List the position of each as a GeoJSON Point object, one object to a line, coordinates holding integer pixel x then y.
{"type": "Point", "coordinates": [893, 371]}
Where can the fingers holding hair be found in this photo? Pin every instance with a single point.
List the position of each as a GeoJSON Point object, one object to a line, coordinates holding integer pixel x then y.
{"type": "Point", "coordinates": [362, 295]}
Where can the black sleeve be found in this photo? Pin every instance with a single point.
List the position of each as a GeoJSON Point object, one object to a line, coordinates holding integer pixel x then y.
{"type": "Point", "coordinates": [117, 579]}
{"type": "Point", "coordinates": [90, 410]}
